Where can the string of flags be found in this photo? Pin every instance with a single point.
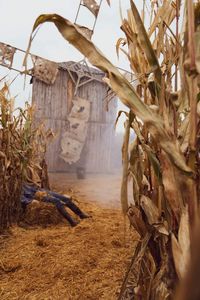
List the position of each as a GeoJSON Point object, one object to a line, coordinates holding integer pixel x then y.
{"type": "Point", "coordinates": [6, 55]}
{"type": "Point", "coordinates": [94, 7]}
{"type": "Point", "coordinates": [42, 69]}
{"type": "Point", "coordinates": [45, 70]}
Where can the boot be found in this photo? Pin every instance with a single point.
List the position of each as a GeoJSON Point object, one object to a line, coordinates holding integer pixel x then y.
{"type": "Point", "coordinates": [67, 216]}
{"type": "Point", "coordinates": [77, 211]}
{"type": "Point", "coordinates": [84, 216]}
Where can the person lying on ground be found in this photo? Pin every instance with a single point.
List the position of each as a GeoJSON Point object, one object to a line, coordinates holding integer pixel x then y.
{"type": "Point", "coordinates": [30, 193]}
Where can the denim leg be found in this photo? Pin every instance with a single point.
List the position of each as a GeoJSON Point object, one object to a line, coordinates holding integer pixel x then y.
{"type": "Point", "coordinates": [57, 198]}
{"type": "Point", "coordinates": [51, 199]}
{"type": "Point", "coordinates": [60, 197]}
{"type": "Point", "coordinates": [60, 207]}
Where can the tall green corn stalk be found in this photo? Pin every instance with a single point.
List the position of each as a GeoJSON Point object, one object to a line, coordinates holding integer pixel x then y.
{"type": "Point", "coordinates": [163, 161]}
{"type": "Point", "coordinates": [21, 149]}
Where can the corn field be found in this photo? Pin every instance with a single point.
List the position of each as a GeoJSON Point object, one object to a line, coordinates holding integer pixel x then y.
{"type": "Point", "coordinates": [22, 148]}
{"type": "Point", "coordinates": [163, 160]}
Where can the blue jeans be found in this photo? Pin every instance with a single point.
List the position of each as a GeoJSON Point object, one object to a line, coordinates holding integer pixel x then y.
{"type": "Point", "coordinates": [60, 201]}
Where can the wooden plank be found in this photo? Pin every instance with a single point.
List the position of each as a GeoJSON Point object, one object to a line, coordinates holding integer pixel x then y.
{"type": "Point", "coordinates": [70, 94]}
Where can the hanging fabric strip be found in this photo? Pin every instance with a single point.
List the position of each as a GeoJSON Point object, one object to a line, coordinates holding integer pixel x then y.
{"type": "Point", "coordinates": [45, 70]}
{"type": "Point", "coordinates": [108, 1]}
{"type": "Point", "coordinates": [73, 140]}
{"type": "Point", "coordinates": [92, 6]}
{"type": "Point", "coordinates": [6, 55]}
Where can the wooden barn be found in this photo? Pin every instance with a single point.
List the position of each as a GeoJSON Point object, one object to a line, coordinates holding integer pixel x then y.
{"type": "Point", "coordinates": [55, 106]}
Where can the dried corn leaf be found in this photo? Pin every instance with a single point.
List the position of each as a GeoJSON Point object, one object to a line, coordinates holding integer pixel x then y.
{"type": "Point", "coordinates": [146, 44]}
{"type": "Point", "coordinates": [165, 13]}
{"type": "Point", "coordinates": [136, 188]}
{"type": "Point", "coordinates": [181, 246]}
{"type": "Point", "coordinates": [184, 133]}
{"type": "Point", "coordinates": [154, 162]}
{"type": "Point", "coordinates": [132, 287]}
{"type": "Point", "coordinates": [198, 109]}
{"type": "Point", "coordinates": [119, 115]}
{"type": "Point", "coordinates": [197, 50]}
{"type": "Point", "coordinates": [153, 216]}
{"type": "Point", "coordinates": [136, 220]}
{"type": "Point", "coordinates": [120, 42]}
{"type": "Point", "coordinates": [150, 153]}
{"type": "Point", "coordinates": [160, 288]}
{"type": "Point", "coordinates": [136, 162]}
{"type": "Point", "coordinates": [172, 193]}
{"type": "Point", "coordinates": [85, 31]}
{"type": "Point", "coordinates": [136, 171]}
{"type": "Point", "coordinates": [125, 159]}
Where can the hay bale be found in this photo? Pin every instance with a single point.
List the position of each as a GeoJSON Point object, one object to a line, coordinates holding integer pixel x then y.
{"type": "Point", "coordinates": [43, 214]}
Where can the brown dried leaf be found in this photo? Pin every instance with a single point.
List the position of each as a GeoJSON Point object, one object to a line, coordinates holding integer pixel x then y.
{"type": "Point", "coordinates": [153, 215]}
{"type": "Point", "coordinates": [184, 133]}
{"type": "Point", "coordinates": [166, 13]}
{"type": "Point", "coordinates": [181, 246]}
{"type": "Point", "coordinates": [172, 192]}
{"type": "Point", "coordinates": [86, 31]}
{"type": "Point", "coordinates": [136, 220]}
{"type": "Point", "coordinates": [125, 159]}
{"type": "Point", "coordinates": [120, 42]}
{"type": "Point", "coordinates": [146, 44]}
{"type": "Point", "coordinates": [136, 170]}
{"type": "Point", "coordinates": [197, 50]}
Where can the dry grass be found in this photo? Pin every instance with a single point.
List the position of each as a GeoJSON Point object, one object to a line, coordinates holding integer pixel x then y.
{"type": "Point", "coordinates": [42, 214]}
{"type": "Point", "coordinates": [86, 262]}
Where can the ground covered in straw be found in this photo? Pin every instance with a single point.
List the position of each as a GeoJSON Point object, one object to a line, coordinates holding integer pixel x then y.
{"type": "Point", "coordinates": [59, 262]}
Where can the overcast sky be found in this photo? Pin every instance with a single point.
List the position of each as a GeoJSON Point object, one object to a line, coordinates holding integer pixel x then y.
{"type": "Point", "coordinates": [17, 18]}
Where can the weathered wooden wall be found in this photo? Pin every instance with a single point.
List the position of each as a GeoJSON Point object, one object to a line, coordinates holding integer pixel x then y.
{"type": "Point", "coordinates": [52, 105]}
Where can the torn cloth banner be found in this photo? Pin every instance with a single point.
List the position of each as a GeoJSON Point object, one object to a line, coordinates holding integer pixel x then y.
{"type": "Point", "coordinates": [92, 6]}
{"type": "Point", "coordinates": [71, 149]}
{"type": "Point", "coordinates": [73, 140]}
{"type": "Point", "coordinates": [6, 55]}
{"type": "Point", "coordinates": [80, 109]}
{"type": "Point", "coordinates": [45, 70]}
{"type": "Point", "coordinates": [77, 129]}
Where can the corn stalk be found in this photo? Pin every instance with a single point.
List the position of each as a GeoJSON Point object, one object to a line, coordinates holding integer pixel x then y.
{"type": "Point", "coordinates": [22, 148]}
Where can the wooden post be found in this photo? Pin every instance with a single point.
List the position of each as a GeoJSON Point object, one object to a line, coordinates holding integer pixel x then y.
{"type": "Point", "coordinates": [70, 94]}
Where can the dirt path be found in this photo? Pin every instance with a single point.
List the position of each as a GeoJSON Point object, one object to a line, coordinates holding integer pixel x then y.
{"type": "Point", "coordinates": [85, 262]}
{"type": "Point", "coordinates": [101, 189]}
